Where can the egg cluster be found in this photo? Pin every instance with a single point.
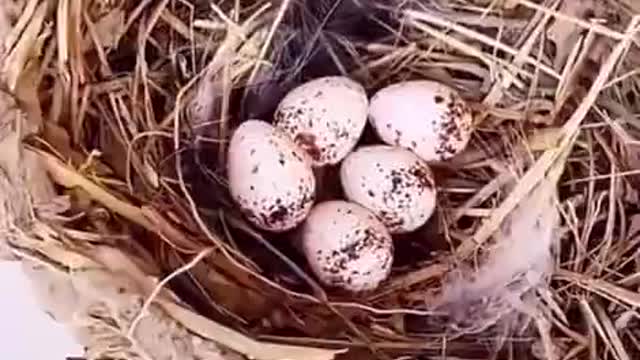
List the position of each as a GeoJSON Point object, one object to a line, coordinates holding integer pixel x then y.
{"type": "Point", "coordinates": [389, 188]}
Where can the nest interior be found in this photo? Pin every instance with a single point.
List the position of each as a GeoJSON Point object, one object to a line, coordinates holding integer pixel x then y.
{"type": "Point", "coordinates": [132, 104]}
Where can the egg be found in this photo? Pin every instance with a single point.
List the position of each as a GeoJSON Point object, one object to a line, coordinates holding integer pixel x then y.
{"type": "Point", "coordinates": [325, 116]}
{"type": "Point", "coordinates": [347, 246]}
{"type": "Point", "coordinates": [429, 118]}
{"type": "Point", "coordinates": [392, 182]}
{"type": "Point", "coordinates": [269, 177]}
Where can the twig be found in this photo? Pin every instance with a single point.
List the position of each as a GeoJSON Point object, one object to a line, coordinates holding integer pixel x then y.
{"type": "Point", "coordinates": [156, 291]}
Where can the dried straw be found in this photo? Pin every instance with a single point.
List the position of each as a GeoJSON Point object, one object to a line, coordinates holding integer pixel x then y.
{"type": "Point", "coordinates": [110, 194]}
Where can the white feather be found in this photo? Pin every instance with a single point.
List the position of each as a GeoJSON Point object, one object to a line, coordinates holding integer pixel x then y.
{"type": "Point", "coordinates": [519, 261]}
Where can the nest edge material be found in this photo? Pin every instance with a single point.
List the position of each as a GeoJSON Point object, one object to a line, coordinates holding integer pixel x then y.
{"type": "Point", "coordinates": [123, 303]}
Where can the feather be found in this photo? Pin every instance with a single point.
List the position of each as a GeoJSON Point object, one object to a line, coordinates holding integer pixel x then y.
{"type": "Point", "coordinates": [519, 261]}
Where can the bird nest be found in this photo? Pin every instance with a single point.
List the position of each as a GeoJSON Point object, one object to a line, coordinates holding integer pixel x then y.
{"type": "Point", "coordinates": [116, 117]}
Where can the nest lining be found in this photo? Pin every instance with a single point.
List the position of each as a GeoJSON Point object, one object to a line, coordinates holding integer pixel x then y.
{"type": "Point", "coordinates": [135, 103]}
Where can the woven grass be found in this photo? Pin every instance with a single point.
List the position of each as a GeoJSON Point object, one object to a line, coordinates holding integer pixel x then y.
{"type": "Point", "coordinates": [115, 116]}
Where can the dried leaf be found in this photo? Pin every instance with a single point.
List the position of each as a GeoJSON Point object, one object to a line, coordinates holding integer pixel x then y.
{"type": "Point", "coordinates": [92, 283]}
{"type": "Point", "coordinates": [27, 94]}
{"type": "Point", "coordinates": [67, 177]}
{"type": "Point", "coordinates": [36, 178]}
{"type": "Point", "coordinates": [22, 15]}
{"type": "Point", "coordinates": [150, 173]}
{"type": "Point", "coordinates": [5, 29]}
{"type": "Point", "coordinates": [28, 47]}
{"type": "Point", "coordinates": [544, 139]}
{"type": "Point", "coordinates": [116, 261]}
{"type": "Point", "coordinates": [10, 116]}
{"type": "Point", "coordinates": [235, 51]}
{"type": "Point", "coordinates": [242, 344]}
{"type": "Point", "coordinates": [633, 5]}
{"type": "Point", "coordinates": [53, 290]}
{"type": "Point", "coordinates": [109, 30]}
{"type": "Point", "coordinates": [634, 226]}
{"type": "Point", "coordinates": [565, 34]}
{"type": "Point", "coordinates": [99, 305]}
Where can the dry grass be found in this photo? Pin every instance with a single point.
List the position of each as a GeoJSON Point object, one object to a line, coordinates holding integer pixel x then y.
{"type": "Point", "coordinates": [136, 101]}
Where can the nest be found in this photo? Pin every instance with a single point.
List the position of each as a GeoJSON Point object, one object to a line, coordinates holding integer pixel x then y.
{"type": "Point", "coordinates": [115, 117]}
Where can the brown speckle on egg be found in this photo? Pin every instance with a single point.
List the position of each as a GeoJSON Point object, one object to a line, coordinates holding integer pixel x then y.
{"type": "Point", "coordinates": [325, 116]}
{"type": "Point", "coordinates": [399, 187]}
{"type": "Point", "coordinates": [346, 246]}
{"type": "Point", "coordinates": [308, 143]}
{"type": "Point", "coordinates": [275, 190]}
{"type": "Point", "coordinates": [426, 117]}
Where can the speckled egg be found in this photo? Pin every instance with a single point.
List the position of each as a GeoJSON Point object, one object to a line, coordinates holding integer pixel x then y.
{"type": "Point", "coordinates": [325, 116]}
{"type": "Point", "coordinates": [347, 246]}
{"type": "Point", "coordinates": [392, 182]}
{"type": "Point", "coordinates": [270, 178]}
{"type": "Point", "coordinates": [429, 118]}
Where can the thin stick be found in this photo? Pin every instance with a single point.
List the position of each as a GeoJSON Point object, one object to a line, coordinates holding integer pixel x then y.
{"type": "Point", "coordinates": [156, 291]}
{"type": "Point", "coordinates": [267, 44]}
{"type": "Point", "coordinates": [603, 30]}
{"type": "Point", "coordinates": [431, 19]}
